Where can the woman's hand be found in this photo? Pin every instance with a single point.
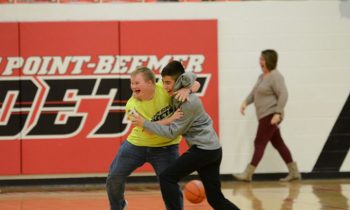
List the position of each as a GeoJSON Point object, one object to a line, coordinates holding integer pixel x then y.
{"type": "Point", "coordinates": [276, 119]}
{"type": "Point", "coordinates": [243, 107]}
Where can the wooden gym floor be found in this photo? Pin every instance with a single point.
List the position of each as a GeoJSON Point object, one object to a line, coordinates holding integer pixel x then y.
{"type": "Point", "coordinates": [258, 195]}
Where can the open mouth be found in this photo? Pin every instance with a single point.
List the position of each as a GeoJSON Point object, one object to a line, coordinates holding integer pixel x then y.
{"type": "Point", "coordinates": [137, 91]}
{"type": "Point", "coordinates": [170, 92]}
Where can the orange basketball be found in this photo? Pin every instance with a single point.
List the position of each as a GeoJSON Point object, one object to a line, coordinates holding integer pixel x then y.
{"type": "Point", "coordinates": [194, 191]}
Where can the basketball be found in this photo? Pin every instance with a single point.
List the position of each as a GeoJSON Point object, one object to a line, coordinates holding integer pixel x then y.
{"type": "Point", "coordinates": [194, 191]}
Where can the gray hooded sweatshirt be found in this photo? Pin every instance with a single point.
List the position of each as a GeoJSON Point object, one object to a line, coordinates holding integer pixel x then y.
{"type": "Point", "coordinates": [195, 126]}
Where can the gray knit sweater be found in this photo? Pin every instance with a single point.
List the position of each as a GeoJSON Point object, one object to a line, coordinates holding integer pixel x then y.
{"type": "Point", "coordinates": [269, 94]}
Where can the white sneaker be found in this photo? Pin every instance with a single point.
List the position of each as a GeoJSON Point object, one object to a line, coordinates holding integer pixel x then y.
{"type": "Point", "coordinates": [125, 204]}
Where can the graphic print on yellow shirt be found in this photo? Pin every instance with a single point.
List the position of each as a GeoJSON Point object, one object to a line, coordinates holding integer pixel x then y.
{"type": "Point", "coordinates": [155, 109]}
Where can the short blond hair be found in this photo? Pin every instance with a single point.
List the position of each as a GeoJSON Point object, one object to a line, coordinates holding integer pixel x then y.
{"type": "Point", "coordinates": [147, 74]}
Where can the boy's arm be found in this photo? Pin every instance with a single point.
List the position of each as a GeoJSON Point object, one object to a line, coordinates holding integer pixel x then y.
{"type": "Point", "coordinates": [186, 86]}
{"type": "Point", "coordinates": [176, 128]}
{"type": "Point", "coordinates": [195, 87]}
{"type": "Point", "coordinates": [176, 115]}
{"type": "Point", "coordinates": [171, 131]}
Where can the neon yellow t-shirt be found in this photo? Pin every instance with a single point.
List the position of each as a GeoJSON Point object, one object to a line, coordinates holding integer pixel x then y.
{"type": "Point", "coordinates": [154, 109]}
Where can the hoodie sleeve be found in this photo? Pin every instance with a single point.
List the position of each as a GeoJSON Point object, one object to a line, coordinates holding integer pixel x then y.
{"type": "Point", "coordinates": [178, 127]}
{"type": "Point", "coordinates": [185, 80]}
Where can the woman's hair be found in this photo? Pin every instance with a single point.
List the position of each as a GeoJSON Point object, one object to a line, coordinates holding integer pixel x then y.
{"type": "Point", "coordinates": [173, 69]}
{"type": "Point", "coordinates": [147, 74]}
{"type": "Point", "coordinates": [271, 58]}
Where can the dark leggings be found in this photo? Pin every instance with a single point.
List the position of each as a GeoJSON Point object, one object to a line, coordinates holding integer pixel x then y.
{"type": "Point", "coordinates": [267, 132]}
{"type": "Point", "coordinates": [207, 164]}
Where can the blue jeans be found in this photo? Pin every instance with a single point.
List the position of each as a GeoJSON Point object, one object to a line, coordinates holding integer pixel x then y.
{"type": "Point", "coordinates": [128, 159]}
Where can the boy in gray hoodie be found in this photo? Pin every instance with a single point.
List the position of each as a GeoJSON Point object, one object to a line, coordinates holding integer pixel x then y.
{"type": "Point", "coordinates": [204, 154]}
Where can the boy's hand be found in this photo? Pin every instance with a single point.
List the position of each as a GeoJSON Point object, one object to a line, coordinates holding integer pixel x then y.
{"type": "Point", "coordinates": [177, 115]}
{"type": "Point", "coordinates": [137, 120]}
{"type": "Point", "coordinates": [182, 94]}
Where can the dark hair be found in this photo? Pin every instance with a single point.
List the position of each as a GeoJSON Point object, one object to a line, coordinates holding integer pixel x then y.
{"type": "Point", "coordinates": [271, 58]}
{"type": "Point", "coordinates": [146, 73]}
{"type": "Point", "coordinates": [173, 69]}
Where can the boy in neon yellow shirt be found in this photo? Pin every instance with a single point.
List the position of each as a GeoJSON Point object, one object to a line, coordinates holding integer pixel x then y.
{"type": "Point", "coordinates": [157, 108]}
{"type": "Point", "coordinates": [151, 101]}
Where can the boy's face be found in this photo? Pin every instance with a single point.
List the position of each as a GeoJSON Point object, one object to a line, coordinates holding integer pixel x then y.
{"type": "Point", "coordinates": [168, 84]}
{"type": "Point", "coordinates": [139, 86]}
